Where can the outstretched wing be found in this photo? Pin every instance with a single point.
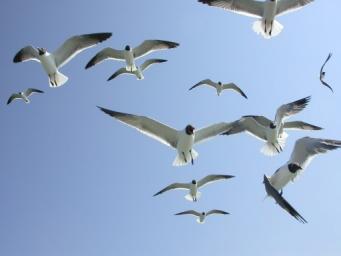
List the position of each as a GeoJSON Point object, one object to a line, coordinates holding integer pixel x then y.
{"type": "Point", "coordinates": [271, 191]}
{"type": "Point", "coordinates": [211, 131]}
{"type": "Point", "coordinates": [216, 212]}
{"type": "Point", "coordinates": [150, 62]}
{"type": "Point", "coordinates": [106, 53]}
{"type": "Point", "coordinates": [14, 96]}
{"type": "Point", "coordinates": [120, 72]}
{"type": "Point", "coordinates": [76, 44]}
{"type": "Point", "coordinates": [232, 86]}
{"type": "Point", "coordinates": [299, 125]}
{"type": "Point", "coordinates": [245, 7]}
{"type": "Point", "coordinates": [212, 178]}
{"type": "Point", "coordinates": [286, 6]}
{"type": "Point", "coordinates": [307, 148]}
{"type": "Point", "coordinates": [25, 54]}
{"type": "Point", "coordinates": [191, 212]}
{"type": "Point", "coordinates": [149, 46]}
{"type": "Point", "coordinates": [174, 186]}
{"type": "Point", "coordinates": [147, 126]}
{"type": "Point", "coordinates": [30, 91]}
{"type": "Point", "coordinates": [207, 82]}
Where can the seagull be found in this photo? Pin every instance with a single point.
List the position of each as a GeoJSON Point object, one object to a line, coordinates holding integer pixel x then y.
{"type": "Point", "coordinates": [193, 186]}
{"type": "Point", "coordinates": [305, 150]}
{"type": "Point", "coordinates": [201, 216]}
{"type": "Point", "coordinates": [139, 71]}
{"type": "Point", "coordinates": [181, 140]}
{"type": "Point", "coordinates": [273, 132]}
{"type": "Point", "coordinates": [129, 54]}
{"type": "Point", "coordinates": [323, 74]}
{"type": "Point", "coordinates": [220, 87]}
{"type": "Point", "coordinates": [265, 12]}
{"type": "Point", "coordinates": [52, 62]}
{"type": "Point", "coordinates": [23, 95]}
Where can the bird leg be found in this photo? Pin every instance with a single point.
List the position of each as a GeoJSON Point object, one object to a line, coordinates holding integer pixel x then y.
{"type": "Point", "coordinates": [192, 160]}
{"type": "Point", "coordinates": [265, 26]}
{"type": "Point", "coordinates": [281, 192]}
{"type": "Point", "coordinates": [183, 153]}
{"type": "Point", "coordinates": [271, 27]}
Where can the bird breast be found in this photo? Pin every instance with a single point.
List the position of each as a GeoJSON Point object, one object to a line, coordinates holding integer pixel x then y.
{"type": "Point", "coordinates": [48, 63]}
{"type": "Point", "coordinates": [281, 178]}
{"type": "Point", "coordinates": [270, 10]}
{"type": "Point", "coordinates": [185, 142]}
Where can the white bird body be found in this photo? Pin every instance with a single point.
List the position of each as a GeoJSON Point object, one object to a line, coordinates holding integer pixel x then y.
{"type": "Point", "coordinates": [23, 95]}
{"type": "Point", "coordinates": [184, 148]}
{"type": "Point", "coordinates": [130, 60]}
{"type": "Point", "coordinates": [281, 178]}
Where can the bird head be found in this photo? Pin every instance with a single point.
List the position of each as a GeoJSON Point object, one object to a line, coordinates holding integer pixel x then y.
{"type": "Point", "coordinates": [41, 51]}
{"type": "Point", "coordinates": [194, 182]}
{"type": "Point", "coordinates": [220, 83]}
{"type": "Point", "coordinates": [272, 125]}
{"type": "Point", "coordinates": [203, 213]}
{"type": "Point", "coordinates": [127, 48]}
{"type": "Point", "coordinates": [294, 167]}
{"type": "Point", "coordinates": [190, 129]}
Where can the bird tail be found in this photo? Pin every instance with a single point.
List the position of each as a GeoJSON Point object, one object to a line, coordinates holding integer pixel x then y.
{"type": "Point", "coordinates": [189, 197]}
{"type": "Point", "coordinates": [180, 160]}
{"type": "Point", "coordinates": [57, 80]}
{"type": "Point", "coordinates": [259, 28]}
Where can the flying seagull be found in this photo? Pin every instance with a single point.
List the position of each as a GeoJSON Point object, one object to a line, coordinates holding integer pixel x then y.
{"type": "Point", "coordinates": [273, 132]}
{"type": "Point", "coordinates": [52, 62]}
{"type": "Point", "coordinates": [23, 95]}
{"type": "Point", "coordinates": [193, 186]}
{"type": "Point", "coordinates": [139, 71]}
{"type": "Point", "coordinates": [304, 152]}
{"type": "Point", "coordinates": [129, 54]}
{"type": "Point", "coordinates": [181, 140]}
{"type": "Point", "coordinates": [323, 73]}
{"type": "Point", "coordinates": [220, 87]}
{"type": "Point", "coordinates": [265, 12]}
{"type": "Point", "coordinates": [201, 216]}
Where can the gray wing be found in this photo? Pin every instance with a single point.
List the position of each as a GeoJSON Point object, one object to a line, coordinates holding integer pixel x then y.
{"type": "Point", "coordinates": [25, 54]}
{"type": "Point", "coordinates": [212, 178]}
{"type": "Point", "coordinates": [285, 6]}
{"type": "Point", "coordinates": [232, 86]}
{"type": "Point", "coordinates": [328, 58]}
{"type": "Point", "coordinates": [210, 131]}
{"type": "Point", "coordinates": [322, 73]}
{"type": "Point", "coordinates": [149, 46]}
{"type": "Point", "coordinates": [191, 212]}
{"type": "Point", "coordinates": [150, 62]}
{"type": "Point", "coordinates": [174, 186]}
{"type": "Point", "coordinates": [120, 72]}
{"type": "Point", "coordinates": [216, 212]}
{"type": "Point", "coordinates": [14, 96]}
{"type": "Point", "coordinates": [290, 109]}
{"type": "Point", "coordinates": [208, 82]}
{"type": "Point", "coordinates": [271, 191]}
{"type": "Point", "coordinates": [307, 148]}
{"type": "Point", "coordinates": [299, 125]}
{"type": "Point", "coordinates": [76, 44]}
{"type": "Point", "coordinates": [245, 7]}
{"type": "Point", "coordinates": [106, 53]}
{"type": "Point", "coordinates": [250, 125]}
{"type": "Point", "coordinates": [30, 91]}
{"type": "Point", "coordinates": [147, 126]}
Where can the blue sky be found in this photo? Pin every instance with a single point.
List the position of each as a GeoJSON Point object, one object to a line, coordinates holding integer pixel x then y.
{"type": "Point", "coordinates": [74, 182]}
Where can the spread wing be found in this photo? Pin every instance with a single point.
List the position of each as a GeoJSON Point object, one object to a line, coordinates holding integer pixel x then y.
{"type": "Point", "coordinates": [322, 73]}
{"type": "Point", "coordinates": [271, 191]}
{"type": "Point", "coordinates": [212, 178]}
{"type": "Point", "coordinates": [307, 148]}
{"type": "Point", "coordinates": [76, 44]}
{"type": "Point", "coordinates": [147, 126]}
{"type": "Point", "coordinates": [299, 125]}
{"type": "Point", "coordinates": [14, 96]}
{"type": "Point", "coordinates": [250, 125]}
{"type": "Point", "coordinates": [149, 46]}
{"type": "Point", "coordinates": [210, 131]}
{"type": "Point", "coordinates": [216, 212]}
{"type": "Point", "coordinates": [245, 7]}
{"type": "Point", "coordinates": [207, 82]}
{"type": "Point", "coordinates": [25, 54]}
{"type": "Point", "coordinates": [106, 53]}
{"type": "Point", "coordinates": [232, 86]}
{"type": "Point", "coordinates": [150, 62]}
{"type": "Point", "coordinates": [290, 109]}
{"type": "Point", "coordinates": [191, 212]}
{"type": "Point", "coordinates": [120, 72]}
{"type": "Point", "coordinates": [174, 186]}
{"type": "Point", "coordinates": [286, 6]}
{"type": "Point", "coordinates": [30, 91]}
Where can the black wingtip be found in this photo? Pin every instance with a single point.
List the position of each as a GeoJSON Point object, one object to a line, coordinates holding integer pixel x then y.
{"type": "Point", "coordinates": [100, 36]}
{"type": "Point", "coordinates": [17, 58]}
{"type": "Point", "coordinates": [91, 63]}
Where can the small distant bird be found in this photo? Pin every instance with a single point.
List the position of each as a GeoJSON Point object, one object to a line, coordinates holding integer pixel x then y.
{"type": "Point", "coordinates": [23, 95]}
{"type": "Point", "coordinates": [220, 87]}
{"type": "Point", "coordinates": [129, 54]}
{"type": "Point", "coordinates": [304, 151]}
{"type": "Point", "coordinates": [265, 12]}
{"type": "Point", "coordinates": [193, 186]}
{"type": "Point", "coordinates": [273, 132]}
{"type": "Point", "coordinates": [52, 62]}
{"type": "Point", "coordinates": [139, 71]}
{"type": "Point", "coordinates": [181, 140]}
{"type": "Point", "coordinates": [323, 74]}
{"type": "Point", "coordinates": [201, 216]}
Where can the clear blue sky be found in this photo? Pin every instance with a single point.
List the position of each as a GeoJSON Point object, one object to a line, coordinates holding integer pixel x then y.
{"type": "Point", "coordinates": [74, 182]}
